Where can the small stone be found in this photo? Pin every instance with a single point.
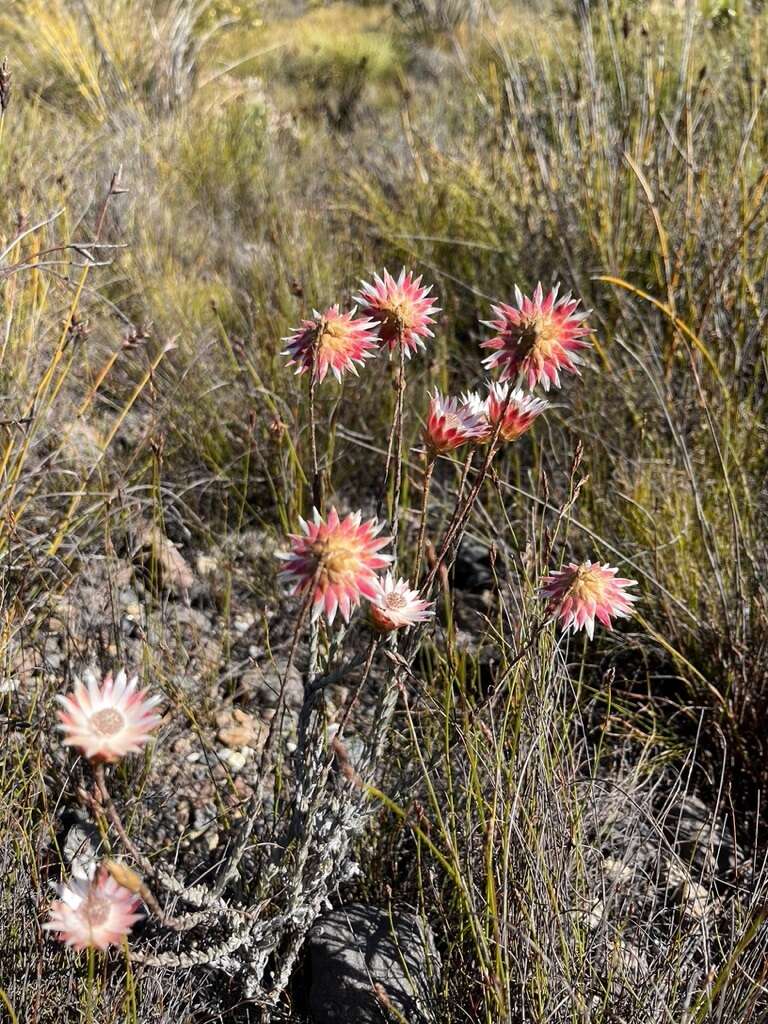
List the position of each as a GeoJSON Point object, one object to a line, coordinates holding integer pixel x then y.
{"type": "Point", "coordinates": [242, 736]}
{"type": "Point", "coordinates": [617, 870]}
{"type": "Point", "coordinates": [206, 565]}
{"type": "Point", "coordinates": [156, 549]}
{"type": "Point", "coordinates": [242, 623]}
{"type": "Point", "coordinates": [693, 896]}
{"type": "Point", "coordinates": [183, 812]}
{"type": "Point", "coordinates": [124, 576]}
{"type": "Point", "coordinates": [234, 759]}
{"type": "Point", "coordinates": [210, 652]}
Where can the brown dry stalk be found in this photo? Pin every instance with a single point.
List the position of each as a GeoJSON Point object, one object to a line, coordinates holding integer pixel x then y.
{"type": "Point", "coordinates": [317, 481]}
{"type": "Point", "coordinates": [425, 485]}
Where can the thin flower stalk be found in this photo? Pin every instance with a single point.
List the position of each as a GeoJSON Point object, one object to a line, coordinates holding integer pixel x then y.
{"type": "Point", "coordinates": [400, 402]}
{"type": "Point", "coordinates": [457, 525]}
{"type": "Point", "coordinates": [426, 484]}
{"type": "Point", "coordinates": [317, 480]}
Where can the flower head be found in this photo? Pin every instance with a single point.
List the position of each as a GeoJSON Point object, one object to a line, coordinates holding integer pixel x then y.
{"type": "Point", "coordinates": [108, 721]}
{"type": "Point", "coordinates": [95, 914]}
{"type": "Point", "coordinates": [579, 594]}
{"type": "Point", "coordinates": [336, 561]}
{"type": "Point", "coordinates": [402, 308]}
{"type": "Point", "coordinates": [397, 606]}
{"type": "Point", "coordinates": [514, 409]}
{"type": "Point", "coordinates": [331, 341]}
{"type": "Point", "coordinates": [450, 424]}
{"type": "Point", "coordinates": [538, 337]}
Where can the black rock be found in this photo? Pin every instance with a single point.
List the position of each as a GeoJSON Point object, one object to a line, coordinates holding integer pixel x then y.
{"type": "Point", "coordinates": [362, 964]}
{"type": "Point", "coordinates": [472, 570]}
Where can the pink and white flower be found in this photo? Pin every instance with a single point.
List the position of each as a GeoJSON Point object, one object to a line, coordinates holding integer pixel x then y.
{"type": "Point", "coordinates": [402, 308]}
{"type": "Point", "coordinates": [93, 914]}
{"type": "Point", "coordinates": [109, 721]}
{"type": "Point", "coordinates": [336, 561]}
{"type": "Point", "coordinates": [514, 409]}
{"type": "Point", "coordinates": [451, 424]}
{"type": "Point", "coordinates": [333, 341]}
{"type": "Point", "coordinates": [581, 593]}
{"type": "Point", "coordinates": [538, 338]}
{"type": "Point", "coordinates": [397, 606]}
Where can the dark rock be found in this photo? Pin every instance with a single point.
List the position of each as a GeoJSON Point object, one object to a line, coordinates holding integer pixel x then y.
{"type": "Point", "coordinates": [366, 968]}
{"type": "Point", "coordinates": [472, 569]}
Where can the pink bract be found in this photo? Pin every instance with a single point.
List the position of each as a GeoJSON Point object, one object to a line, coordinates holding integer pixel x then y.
{"type": "Point", "coordinates": [336, 561]}
{"type": "Point", "coordinates": [538, 337]}
{"type": "Point", "coordinates": [451, 424]}
{"type": "Point", "coordinates": [402, 309]}
{"type": "Point", "coordinates": [581, 593]}
{"type": "Point", "coordinates": [514, 409]}
{"type": "Point", "coordinates": [110, 720]}
{"type": "Point", "coordinates": [333, 341]}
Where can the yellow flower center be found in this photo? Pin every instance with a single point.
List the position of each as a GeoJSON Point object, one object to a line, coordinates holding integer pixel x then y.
{"type": "Point", "coordinates": [335, 559]}
{"type": "Point", "coordinates": [587, 584]}
{"type": "Point", "coordinates": [395, 601]}
{"type": "Point", "coordinates": [537, 337]}
{"type": "Point", "coordinates": [108, 721]}
{"type": "Point", "coordinates": [333, 337]}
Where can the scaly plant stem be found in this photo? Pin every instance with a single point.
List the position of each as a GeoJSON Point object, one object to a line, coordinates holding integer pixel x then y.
{"type": "Point", "coordinates": [425, 487]}
{"type": "Point", "coordinates": [460, 490]}
{"type": "Point", "coordinates": [388, 463]}
{"type": "Point", "coordinates": [116, 821]}
{"type": "Point", "coordinates": [458, 523]}
{"type": "Point", "coordinates": [465, 472]}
